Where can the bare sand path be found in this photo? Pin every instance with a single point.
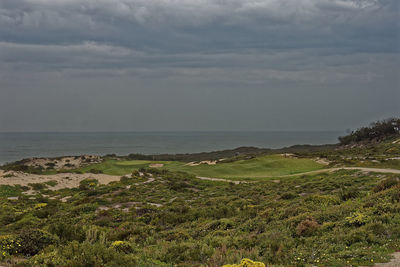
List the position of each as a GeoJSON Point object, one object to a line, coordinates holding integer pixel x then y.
{"type": "Point", "coordinates": [378, 170]}
{"type": "Point", "coordinates": [394, 262]}
{"type": "Point", "coordinates": [221, 180]}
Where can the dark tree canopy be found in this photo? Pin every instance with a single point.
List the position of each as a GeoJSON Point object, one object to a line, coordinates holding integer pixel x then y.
{"type": "Point", "coordinates": [376, 131]}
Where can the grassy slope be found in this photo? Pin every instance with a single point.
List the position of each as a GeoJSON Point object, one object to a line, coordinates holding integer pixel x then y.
{"type": "Point", "coordinates": [265, 166]}
{"type": "Point", "coordinates": [380, 155]}
{"type": "Point", "coordinates": [115, 167]}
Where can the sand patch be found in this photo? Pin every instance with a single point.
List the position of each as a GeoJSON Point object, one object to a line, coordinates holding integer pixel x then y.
{"type": "Point", "coordinates": [395, 261]}
{"type": "Point", "coordinates": [396, 141]}
{"type": "Point", "coordinates": [222, 180]}
{"type": "Point", "coordinates": [59, 163]}
{"type": "Point", "coordinates": [64, 180]}
{"type": "Point", "coordinates": [288, 155]}
{"type": "Point", "coordinates": [156, 165]}
{"type": "Point", "coordinates": [322, 161]}
{"type": "Point", "coordinates": [195, 163]}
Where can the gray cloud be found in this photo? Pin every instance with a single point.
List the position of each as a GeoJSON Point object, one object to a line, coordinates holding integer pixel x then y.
{"type": "Point", "coordinates": [194, 24]}
{"type": "Point", "coordinates": [291, 53]}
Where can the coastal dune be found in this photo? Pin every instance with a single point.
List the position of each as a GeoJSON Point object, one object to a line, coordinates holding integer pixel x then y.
{"type": "Point", "coordinates": [64, 180]}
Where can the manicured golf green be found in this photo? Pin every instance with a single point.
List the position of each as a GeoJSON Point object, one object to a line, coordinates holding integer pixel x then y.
{"type": "Point", "coordinates": [266, 166]}
{"type": "Point", "coordinates": [260, 167]}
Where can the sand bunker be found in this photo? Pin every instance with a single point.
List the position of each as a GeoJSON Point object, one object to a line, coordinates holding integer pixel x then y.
{"type": "Point", "coordinates": [288, 155]}
{"type": "Point", "coordinates": [156, 165]}
{"type": "Point", "coordinates": [322, 161]}
{"type": "Point", "coordinates": [209, 162]}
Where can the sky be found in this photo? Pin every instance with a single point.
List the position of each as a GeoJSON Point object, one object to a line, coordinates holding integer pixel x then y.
{"type": "Point", "coordinates": [169, 65]}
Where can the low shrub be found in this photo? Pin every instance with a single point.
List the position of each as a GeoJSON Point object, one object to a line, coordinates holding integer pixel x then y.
{"type": "Point", "coordinates": [51, 183]}
{"type": "Point", "coordinates": [246, 263]}
{"type": "Point", "coordinates": [67, 231]}
{"type": "Point", "coordinates": [357, 219]}
{"type": "Point", "coordinates": [307, 227]}
{"type": "Point", "coordinates": [88, 184]}
{"type": "Point", "coordinates": [288, 195]}
{"type": "Point", "coordinates": [9, 244]}
{"type": "Point", "coordinates": [348, 193]}
{"type": "Point", "coordinates": [32, 241]}
{"type": "Point", "coordinates": [81, 254]}
{"type": "Point", "coordinates": [325, 200]}
{"type": "Point", "coordinates": [386, 184]}
{"type": "Point", "coordinates": [122, 246]}
{"type": "Point", "coordinates": [38, 186]}
{"type": "Point", "coordinates": [10, 191]}
{"type": "Point", "coordinates": [95, 171]}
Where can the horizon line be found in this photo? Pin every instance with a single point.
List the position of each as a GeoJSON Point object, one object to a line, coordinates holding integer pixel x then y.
{"type": "Point", "coordinates": [171, 131]}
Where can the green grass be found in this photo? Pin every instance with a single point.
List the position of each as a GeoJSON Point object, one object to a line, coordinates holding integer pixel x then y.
{"type": "Point", "coordinates": [260, 167]}
{"type": "Point", "coordinates": [387, 164]}
{"type": "Point", "coordinates": [256, 168]}
{"type": "Point", "coordinates": [115, 167]}
{"type": "Point", "coordinates": [10, 191]}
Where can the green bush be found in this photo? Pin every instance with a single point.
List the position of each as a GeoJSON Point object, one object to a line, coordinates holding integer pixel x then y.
{"type": "Point", "coordinates": [348, 193]}
{"type": "Point", "coordinates": [95, 171]}
{"type": "Point", "coordinates": [34, 240]}
{"type": "Point", "coordinates": [10, 191]}
{"type": "Point", "coordinates": [88, 184]}
{"type": "Point", "coordinates": [325, 200]}
{"type": "Point", "coordinates": [122, 246]}
{"type": "Point", "coordinates": [51, 183]}
{"type": "Point", "coordinates": [67, 231]}
{"type": "Point", "coordinates": [288, 195]}
{"type": "Point", "coordinates": [357, 219]}
{"type": "Point", "coordinates": [82, 255]}
{"type": "Point", "coordinates": [386, 184]}
{"type": "Point", "coordinates": [9, 244]}
{"type": "Point", "coordinates": [38, 186]}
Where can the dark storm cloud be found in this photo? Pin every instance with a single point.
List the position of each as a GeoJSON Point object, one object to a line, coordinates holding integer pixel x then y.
{"type": "Point", "coordinates": [335, 48]}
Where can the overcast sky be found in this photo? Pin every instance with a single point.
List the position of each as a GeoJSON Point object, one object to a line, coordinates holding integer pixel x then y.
{"type": "Point", "coordinates": [133, 65]}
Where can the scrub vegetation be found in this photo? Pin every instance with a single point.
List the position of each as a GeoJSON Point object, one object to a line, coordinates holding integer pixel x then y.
{"type": "Point", "coordinates": [329, 219]}
{"type": "Point", "coordinates": [166, 216]}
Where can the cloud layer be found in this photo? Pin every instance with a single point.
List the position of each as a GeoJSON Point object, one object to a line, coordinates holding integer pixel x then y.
{"type": "Point", "coordinates": [194, 45]}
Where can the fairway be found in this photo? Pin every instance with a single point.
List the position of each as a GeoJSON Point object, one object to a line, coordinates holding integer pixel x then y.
{"type": "Point", "coordinates": [256, 168]}
{"type": "Point", "coordinates": [260, 167]}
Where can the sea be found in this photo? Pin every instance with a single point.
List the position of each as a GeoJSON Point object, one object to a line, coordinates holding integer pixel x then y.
{"type": "Point", "coordinates": [17, 146]}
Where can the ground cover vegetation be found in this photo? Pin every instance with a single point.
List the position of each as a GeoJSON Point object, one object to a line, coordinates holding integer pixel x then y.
{"type": "Point", "coordinates": [331, 219]}
{"type": "Point", "coordinates": [166, 216]}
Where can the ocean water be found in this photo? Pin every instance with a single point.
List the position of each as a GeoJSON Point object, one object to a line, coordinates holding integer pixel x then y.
{"type": "Point", "coordinates": [16, 146]}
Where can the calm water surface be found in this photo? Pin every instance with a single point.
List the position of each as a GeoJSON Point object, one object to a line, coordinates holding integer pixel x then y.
{"type": "Point", "coordinates": [16, 146]}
